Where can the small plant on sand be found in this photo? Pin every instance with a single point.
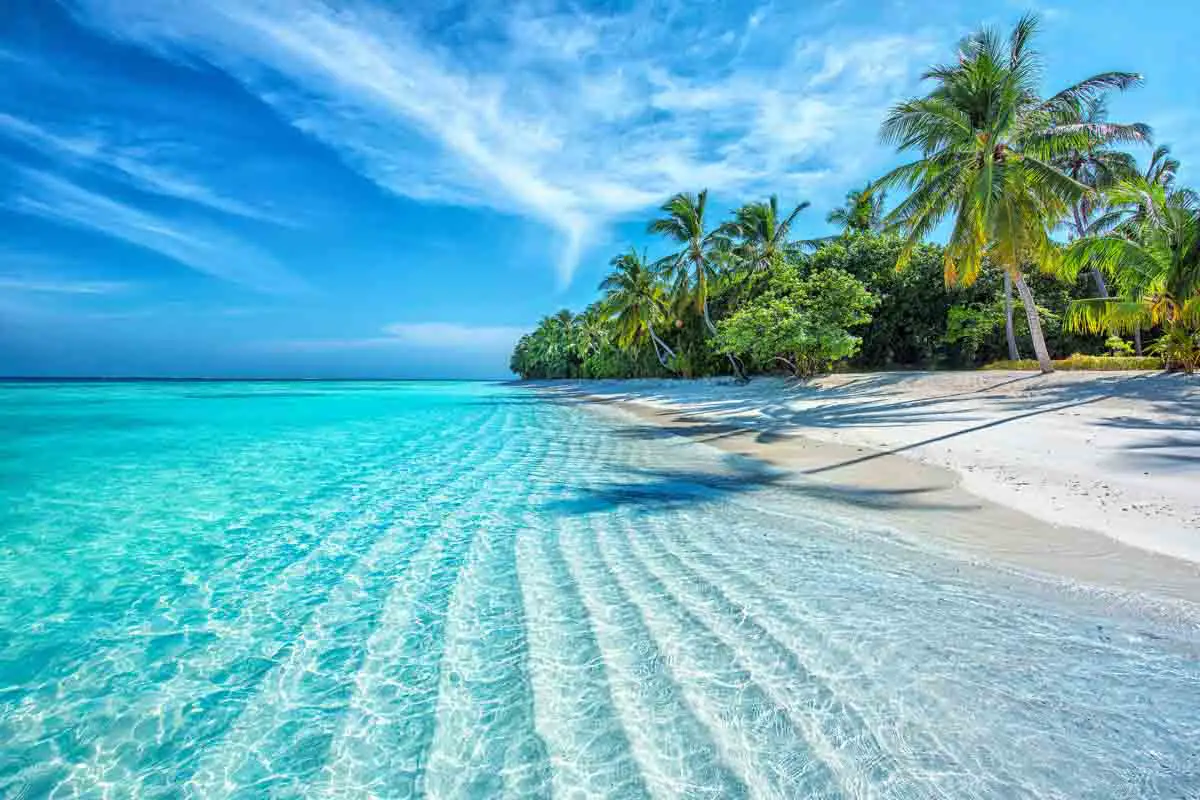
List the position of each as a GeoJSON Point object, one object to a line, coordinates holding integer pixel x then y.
{"type": "Point", "coordinates": [1179, 348]}
{"type": "Point", "coordinates": [1117, 346]}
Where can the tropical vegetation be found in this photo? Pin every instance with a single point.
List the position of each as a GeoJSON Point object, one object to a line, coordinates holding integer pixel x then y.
{"type": "Point", "coordinates": [1031, 192]}
{"type": "Point", "coordinates": [801, 321]}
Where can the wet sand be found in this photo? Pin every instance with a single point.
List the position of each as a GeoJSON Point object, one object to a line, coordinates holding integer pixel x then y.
{"type": "Point", "coordinates": [919, 500]}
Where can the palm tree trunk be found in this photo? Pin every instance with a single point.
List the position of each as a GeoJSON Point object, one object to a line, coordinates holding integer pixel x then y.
{"type": "Point", "coordinates": [712, 329]}
{"type": "Point", "coordinates": [708, 323]}
{"type": "Point", "coordinates": [1013, 353]}
{"type": "Point", "coordinates": [1035, 325]}
{"type": "Point", "coordinates": [659, 347]}
{"type": "Point", "coordinates": [737, 369]}
{"type": "Point", "coordinates": [1080, 232]}
{"type": "Point", "coordinates": [790, 365]}
{"type": "Point", "coordinates": [659, 342]}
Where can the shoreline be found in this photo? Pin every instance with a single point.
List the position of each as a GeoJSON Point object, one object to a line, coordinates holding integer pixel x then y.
{"type": "Point", "coordinates": [925, 502]}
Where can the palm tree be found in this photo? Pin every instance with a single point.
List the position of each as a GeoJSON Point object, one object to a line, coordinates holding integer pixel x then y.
{"type": "Point", "coordinates": [758, 238]}
{"type": "Point", "coordinates": [1153, 258]}
{"type": "Point", "coordinates": [556, 341]}
{"type": "Point", "coordinates": [1162, 168]}
{"type": "Point", "coordinates": [690, 269]}
{"type": "Point", "coordinates": [590, 331]}
{"type": "Point", "coordinates": [633, 295]}
{"type": "Point", "coordinates": [987, 143]}
{"type": "Point", "coordinates": [693, 267]}
{"type": "Point", "coordinates": [756, 241]}
{"type": "Point", "coordinates": [862, 213]}
{"type": "Point", "coordinates": [1098, 166]}
{"type": "Point", "coordinates": [1128, 218]}
{"type": "Point", "coordinates": [1142, 205]}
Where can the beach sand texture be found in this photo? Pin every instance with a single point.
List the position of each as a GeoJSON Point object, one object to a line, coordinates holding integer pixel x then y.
{"type": "Point", "coordinates": [1015, 467]}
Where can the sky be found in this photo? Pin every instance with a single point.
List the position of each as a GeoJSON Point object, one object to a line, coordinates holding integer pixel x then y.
{"type": "Point", "coordinates": [308, 188]}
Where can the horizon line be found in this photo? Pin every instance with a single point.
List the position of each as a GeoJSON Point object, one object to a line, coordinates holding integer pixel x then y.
{"type": "Point", "coordinates": [219, 379]}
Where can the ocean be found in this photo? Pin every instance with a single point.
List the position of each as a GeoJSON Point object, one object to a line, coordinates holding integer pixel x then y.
{"type": "Point", "coordinates": [456, 589]}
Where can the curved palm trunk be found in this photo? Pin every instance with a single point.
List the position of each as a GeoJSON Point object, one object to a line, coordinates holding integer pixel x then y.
{"type": "Point", "coordinates": [734, 363]}
{"type": "Point", "coordinates": [1080, 232]}
{"type": "Point", "coordinates": [1035, 325]}
{"type": "Point", "coordinates": [659, 348]}
{"type": "Point", "coordinates": [702, 290]}
{"type": "Point", "coordinates": [708, 323]}
{"type": "Point", "coordinates": [739, 369]}
{"type": "Point", "coordinates": [1013, 353]}
{"type": "Point", "coordinates": [791, 365]}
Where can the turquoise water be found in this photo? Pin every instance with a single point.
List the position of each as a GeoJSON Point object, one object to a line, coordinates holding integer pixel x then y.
{"type": "Point", "coordinates": [462, 590]}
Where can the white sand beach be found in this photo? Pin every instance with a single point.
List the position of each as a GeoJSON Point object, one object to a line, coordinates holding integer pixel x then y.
{"type": "Point", "coordinates": [1083, 453]}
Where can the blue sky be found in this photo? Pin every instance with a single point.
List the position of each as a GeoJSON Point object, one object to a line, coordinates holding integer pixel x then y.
{"type": "Point", "coordinates": [307, 188]}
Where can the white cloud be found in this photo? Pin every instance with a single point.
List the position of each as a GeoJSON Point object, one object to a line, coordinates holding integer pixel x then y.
{"type": "Point", "coordinates": [24, 283]}
{"type": "Point", "coordinates": [571, 118]}
{"type": "Point", "coordinates": [147, 165]}
{"type": "Point", "coordinates": [194, 245]}
{"type": "Point", "coordinates": [427, 336]}
{"type": "Point", "coordinates": [24, 131]}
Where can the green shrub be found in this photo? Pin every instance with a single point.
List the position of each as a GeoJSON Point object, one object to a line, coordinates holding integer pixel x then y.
{"type": "Point", "coordinates": [1179, 348]}
{"type": "Point", "coordinates": [906, 325]}
{"type": "Point", "coordinates": [1081, 362]}
{"type": "Point", "coordinates": [1116, 346]}
{"type": "Point", "coordinates": [801, 322]}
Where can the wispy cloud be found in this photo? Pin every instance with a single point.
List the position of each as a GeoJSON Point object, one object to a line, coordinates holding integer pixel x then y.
{"type": "Point", "coordinates": [25, 283]}
{"type": "Point", "coordinates": [191, 244]}
{"type": "Point", "coordinates": [427, 336]}
{"type": "Point", "coordinates": [148, 165]}
{"type": "Point", "coordinates": [572, 118]}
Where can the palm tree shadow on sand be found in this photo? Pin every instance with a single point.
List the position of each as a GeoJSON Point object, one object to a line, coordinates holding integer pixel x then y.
{"type": "Point", "coordinates": [867, 403]}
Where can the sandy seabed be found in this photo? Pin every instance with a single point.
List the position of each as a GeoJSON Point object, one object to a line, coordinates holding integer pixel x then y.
{"type": "Point", "coordinates": [1090, 476]}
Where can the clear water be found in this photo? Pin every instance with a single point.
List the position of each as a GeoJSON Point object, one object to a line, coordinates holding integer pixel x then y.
{"type": "Point", "coordinates": [462, 590]}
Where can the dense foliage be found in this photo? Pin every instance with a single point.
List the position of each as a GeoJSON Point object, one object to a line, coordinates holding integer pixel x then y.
{"type": "Point", "coordinates": [800, 321]}
{"type": "Point", "coordinates": [1007, 167]}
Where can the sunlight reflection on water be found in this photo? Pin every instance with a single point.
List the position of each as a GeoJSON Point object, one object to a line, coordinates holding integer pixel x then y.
{"type": "Point", "coordinates": [347, 590]}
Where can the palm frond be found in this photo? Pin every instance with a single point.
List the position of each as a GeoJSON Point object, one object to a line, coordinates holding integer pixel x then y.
{"type": "Point", "coordinates": [1024, 31]}
{"type": "Point", "coordinates": [1076, 97]}
{"type": "Point", "coordinates": [1044, 177]}
{"type": "Point", "coordinates": [924, 123]}
{"type": "Point", "coordinates": [1106, 315]}
{"type": "Point", "coordinates": [1107, 132]}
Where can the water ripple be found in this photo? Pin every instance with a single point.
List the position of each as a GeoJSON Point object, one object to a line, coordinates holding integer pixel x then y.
{"type": "Point", "coordinates": [459, 590]}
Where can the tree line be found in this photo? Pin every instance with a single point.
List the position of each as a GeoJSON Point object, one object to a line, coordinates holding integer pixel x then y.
{"type": "Point", "coordinates": [1006, 167]}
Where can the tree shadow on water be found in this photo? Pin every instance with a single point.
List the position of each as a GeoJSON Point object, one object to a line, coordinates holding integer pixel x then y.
{"type": "Point", "coordinates": [647, 490]}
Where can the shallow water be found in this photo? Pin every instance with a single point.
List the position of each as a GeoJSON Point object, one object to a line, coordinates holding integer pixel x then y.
{"type": "Point", "coordinates": [463, 590]}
